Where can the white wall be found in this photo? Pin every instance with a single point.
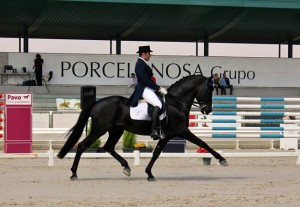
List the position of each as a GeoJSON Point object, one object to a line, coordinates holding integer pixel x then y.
{"type": "Point", "coordinates": [85, 69]}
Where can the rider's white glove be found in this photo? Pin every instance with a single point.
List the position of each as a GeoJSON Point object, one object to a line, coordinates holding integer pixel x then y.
{"type": "Point", "coordinates": [163, 91]}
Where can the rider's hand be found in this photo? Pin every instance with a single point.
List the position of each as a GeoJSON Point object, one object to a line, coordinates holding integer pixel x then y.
{"type": "Point", "coordinates": [163, 91]}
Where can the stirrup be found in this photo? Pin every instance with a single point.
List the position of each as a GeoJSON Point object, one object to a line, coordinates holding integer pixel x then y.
{"type": "Point", "coordinates": [154, 135]}
{"type": "Point", "coordinates": [161, 133]}
{"type": "Point", "coordinates": [162, 136]}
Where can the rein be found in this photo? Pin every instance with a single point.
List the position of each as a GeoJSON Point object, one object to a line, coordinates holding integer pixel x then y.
{"type": "Point", "coordinates": [196, 104]}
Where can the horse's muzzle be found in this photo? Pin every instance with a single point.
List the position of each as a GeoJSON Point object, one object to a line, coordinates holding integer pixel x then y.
{"type": "Point", "coordinates": [206, 110]}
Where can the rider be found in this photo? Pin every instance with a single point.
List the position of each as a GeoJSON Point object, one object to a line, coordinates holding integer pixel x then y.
{"type": "Point", "coordinates": [146, 88]}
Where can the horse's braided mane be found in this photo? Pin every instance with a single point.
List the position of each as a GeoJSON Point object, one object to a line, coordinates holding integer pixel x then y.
{"type": "Point", "coordinates": [184, 79]}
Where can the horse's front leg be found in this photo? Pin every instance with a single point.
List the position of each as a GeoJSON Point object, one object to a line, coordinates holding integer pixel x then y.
{"type": "Point", "coordinates": [188, 135]}
{"type": "Point", "coordinates": [159, 147]}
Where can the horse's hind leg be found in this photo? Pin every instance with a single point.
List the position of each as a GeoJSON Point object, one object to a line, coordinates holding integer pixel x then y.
{"type": "Point", "coordinates": [114, 136]}
{"type": "Point", "coordinates": [90, 139]}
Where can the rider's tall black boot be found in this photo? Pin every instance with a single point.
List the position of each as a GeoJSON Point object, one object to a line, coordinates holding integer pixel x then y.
{"type": "Point", "coordinates": [155, 119]}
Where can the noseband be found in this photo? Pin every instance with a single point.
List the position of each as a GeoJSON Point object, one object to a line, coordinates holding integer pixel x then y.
{"type": "Point", "coordinates": [199, 105]}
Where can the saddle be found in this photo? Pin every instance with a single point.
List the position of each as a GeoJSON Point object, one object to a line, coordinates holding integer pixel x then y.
{"type": "Point", "coordinates": [144, 110]}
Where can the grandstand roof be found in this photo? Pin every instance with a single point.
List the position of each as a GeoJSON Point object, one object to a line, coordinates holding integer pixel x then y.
{"type": "Point", "coordinates": [232, 21]}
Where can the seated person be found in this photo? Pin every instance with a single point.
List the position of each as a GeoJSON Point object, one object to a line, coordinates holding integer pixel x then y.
{"type": "Point", "coordinates": [228, 84]}
{"type": "Point", "coordinates": [217, 83]}
{"type": "Point", "coordinates": [134, 80]}
{"type": "Point", "coordinates": [223, 86]}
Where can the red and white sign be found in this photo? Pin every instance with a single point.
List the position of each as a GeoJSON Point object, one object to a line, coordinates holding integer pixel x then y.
{"type": "Point", "coordinates": [18, 123]}
{"type": "Point", "coordinates": [18, 99]}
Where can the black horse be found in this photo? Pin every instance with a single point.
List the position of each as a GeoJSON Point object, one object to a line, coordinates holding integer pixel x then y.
{"type": "Point", "coordinates": [111, 114]}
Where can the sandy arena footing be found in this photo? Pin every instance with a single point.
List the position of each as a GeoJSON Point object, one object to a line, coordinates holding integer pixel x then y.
{"type": "Point", "coordinates": [265, 182]}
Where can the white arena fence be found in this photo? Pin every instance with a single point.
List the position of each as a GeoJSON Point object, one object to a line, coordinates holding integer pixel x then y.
{"type": "Point", "coordinates": [235, 119]}
{"type": "Point", "coordinates": [229, 120]}
{"type": "Point", "coordinates": [232, 117]}
{"type": "Point", "coordinates": [137, 156]}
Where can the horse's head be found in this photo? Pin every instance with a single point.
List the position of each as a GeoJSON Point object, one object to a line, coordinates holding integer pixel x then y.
{"type": "Point", "coordinates": [190, 88]}
{"type": "Point", "coordinates": [204, 98]}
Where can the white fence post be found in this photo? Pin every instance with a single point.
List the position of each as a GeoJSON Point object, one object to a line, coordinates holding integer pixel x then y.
{"type": "Point", "coordinates": [272, 144]}
{"type": "Point", "coordinates": [50, 119]}
{"type": "Point", "coordinates": [298, 158]}
{"type": "Point", "coordinates": [50, 154]}
{"type": "Point", "coordinates": [237, 145]}
{"type": "Point", "coordinates": [136, 154]}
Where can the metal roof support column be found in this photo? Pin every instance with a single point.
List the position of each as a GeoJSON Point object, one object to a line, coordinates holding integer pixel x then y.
{"type": "Point", "coordinates": [290, 49]}
{"type": "Point", "coordinates": [110, 46]}
{"type": "Point", "coordinates": [25, 42]}
{"type": "Point", "coordinates": [206, 46]}
{"type": "Point", "coordinates": [118, 45]}
{"type": "Point", "coordinates": [196, 47]}
{"type": "Point", "coordinates": [279, 50]}
{"type": "Point", "coordinates": [20, 42]}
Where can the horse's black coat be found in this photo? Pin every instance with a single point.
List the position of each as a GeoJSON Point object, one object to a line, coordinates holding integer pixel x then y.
{"type": "Point", "coordinates": [111, 115]}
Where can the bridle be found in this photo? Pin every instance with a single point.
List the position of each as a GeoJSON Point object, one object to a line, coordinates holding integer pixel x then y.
{"type": "Point", "coordinates": [201, 105]}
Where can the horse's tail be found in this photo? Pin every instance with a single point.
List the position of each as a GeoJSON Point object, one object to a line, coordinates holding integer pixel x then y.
{"type": "Point", "coordinates": [76, 131]}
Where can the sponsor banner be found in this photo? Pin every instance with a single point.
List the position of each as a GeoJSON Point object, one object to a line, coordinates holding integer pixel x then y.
{"type": "Point", "coordinates": [67, 104]}
{"type": "Point", "coordinates": [18, 99]}
{"type": "Point", "coordinates": [85, 69]}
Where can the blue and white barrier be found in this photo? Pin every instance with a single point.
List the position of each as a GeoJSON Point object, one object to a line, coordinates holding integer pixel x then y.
{"type": "Point", "coordinates": [249, 113]}
{"type": "Point", "coordinates": [264, 113]}
{"type": "Point", "coordinates": [272, 136]}
{"type": "Point", "coordinates": [254, 99]}
{"type": "Point", "coordinates": [248, 128]}
{"type": "Point", "coordinates": [233, 117]}
{"type": "Point", "coordinates": [278, 121]}
{"type": "Point", "coordinates": [251, 106]}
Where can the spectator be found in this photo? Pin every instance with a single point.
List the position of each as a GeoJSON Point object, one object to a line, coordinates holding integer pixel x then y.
{"type": "Point", "coordinates": [228, 84]}
{"type": "Point", "coordinates": [38, 69]}
{"type": "Point", "coordinates": [217, 83]}
{"type": "Point", "coordinates": [134, 80]}
{"type": "Point", "coordinates": [223, 86]}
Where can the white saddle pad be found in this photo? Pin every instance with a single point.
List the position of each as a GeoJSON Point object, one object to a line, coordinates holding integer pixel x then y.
{"type": "Point", "coordinates": [140, 112]}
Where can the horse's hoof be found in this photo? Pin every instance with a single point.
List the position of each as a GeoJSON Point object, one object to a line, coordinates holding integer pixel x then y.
{"type": "Point", "coordinates": [151, 179]}
{"type": "Point", "coordinates": [60, 156]}
{"type": "Point", "coordinates": [127, 171]}
{"type": "Point", "coordinates": [224, 163]}
{"type": "Point", "coordinates": [73, 178]}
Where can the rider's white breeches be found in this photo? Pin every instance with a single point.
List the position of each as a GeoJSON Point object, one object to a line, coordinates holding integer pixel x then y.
{"type": "Point", "coordinates": [151, 97]}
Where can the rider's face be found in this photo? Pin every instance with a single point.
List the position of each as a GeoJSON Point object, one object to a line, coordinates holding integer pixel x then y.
{"type": "Point", "coordinates": [147, 56]}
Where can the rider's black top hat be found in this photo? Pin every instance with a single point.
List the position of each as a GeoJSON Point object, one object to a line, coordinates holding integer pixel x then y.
{"type": "Point", "coordinates": [144, 49]}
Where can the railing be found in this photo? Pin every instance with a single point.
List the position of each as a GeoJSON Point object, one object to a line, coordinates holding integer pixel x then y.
{"type": "Point", "coordinates": [136, 155]}
{"type": "Point", "coordinates": [204, 130]}
{"type": "Point", "coordinates": [229, 120]}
